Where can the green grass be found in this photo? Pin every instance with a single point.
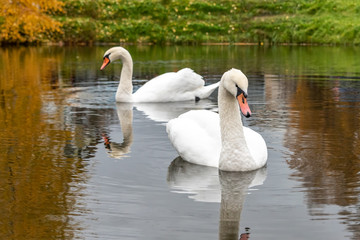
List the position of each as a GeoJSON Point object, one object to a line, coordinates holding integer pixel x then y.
{"type": "Point", "coordinates": [222, 21]}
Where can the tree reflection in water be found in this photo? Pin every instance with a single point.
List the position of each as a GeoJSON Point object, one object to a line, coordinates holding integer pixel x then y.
{"type": "Point", "coordinates": [323, 135]}
{"type": "Point", "coordinates": [46, 145]}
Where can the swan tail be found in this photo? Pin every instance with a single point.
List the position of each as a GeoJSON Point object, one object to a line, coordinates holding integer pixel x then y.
{"type": "Point", "coordinates": [206, 91]}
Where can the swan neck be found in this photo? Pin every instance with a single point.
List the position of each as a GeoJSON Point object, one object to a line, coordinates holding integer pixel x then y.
{"type": "Point", "coordinates": [235, 155]}
{"type": "Point", "coordinates": [230, 118]}
{"type": "Point", "coordinates": [125, 88]}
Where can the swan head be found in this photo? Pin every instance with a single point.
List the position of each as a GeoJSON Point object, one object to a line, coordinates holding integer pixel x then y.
{"type": "Point", "coordinates": [236, 83]}
{"type": "Point", "coordinates": [114, 54]}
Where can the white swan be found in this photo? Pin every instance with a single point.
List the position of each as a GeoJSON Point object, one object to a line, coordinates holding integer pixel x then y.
{"type": "Point", "coordinates": [169, 87]}
{"type": "Point", "coordinates": [220, 140]}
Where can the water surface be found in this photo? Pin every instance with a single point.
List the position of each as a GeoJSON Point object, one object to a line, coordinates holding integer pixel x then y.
{"type": "Point", "coordinates": [59, 180]}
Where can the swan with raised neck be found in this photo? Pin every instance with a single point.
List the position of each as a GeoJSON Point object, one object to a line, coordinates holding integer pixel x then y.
{"type": "Point", "coordinates": [169, 87]}
{"type": "Point", "coordinates": [220, 140]}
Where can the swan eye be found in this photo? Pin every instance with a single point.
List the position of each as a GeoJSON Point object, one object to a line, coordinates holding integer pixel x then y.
{"type": "Point", "coordinates": [107, 56]}
{"type": "Point", "coordinates": [240, 91]}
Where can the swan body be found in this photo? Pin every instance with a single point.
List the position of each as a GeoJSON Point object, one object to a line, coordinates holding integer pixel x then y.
{"type": "Point", "coordinates": [220, 140]}
{"type": "Point", "coordinates": [169, 87]}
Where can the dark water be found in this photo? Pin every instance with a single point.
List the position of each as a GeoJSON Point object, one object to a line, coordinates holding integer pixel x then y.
{"type": "Point", "coordinates": [58, 180]}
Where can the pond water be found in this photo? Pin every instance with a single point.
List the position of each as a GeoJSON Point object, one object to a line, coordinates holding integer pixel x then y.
{"type": "Point", "coordinates": [59, 180]}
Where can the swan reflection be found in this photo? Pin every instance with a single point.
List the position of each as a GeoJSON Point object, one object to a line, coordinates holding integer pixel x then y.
{"type": "Point", "coordinates": [208, 184]}
{"type": "Point", "coordinates": [163, 112]}
{"type": "Point", "coordinates": [125, 115]}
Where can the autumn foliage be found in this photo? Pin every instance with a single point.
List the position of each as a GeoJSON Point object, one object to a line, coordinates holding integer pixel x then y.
{"type": "Point", "coordinates": [23, 21]}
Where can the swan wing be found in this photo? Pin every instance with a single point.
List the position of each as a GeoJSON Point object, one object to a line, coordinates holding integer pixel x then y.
{"type": "Point", "coordinates": [257, 146]}
{"type": "Point", "coordinates": [196, 137]}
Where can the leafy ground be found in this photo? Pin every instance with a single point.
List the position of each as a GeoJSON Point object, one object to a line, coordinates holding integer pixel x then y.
{"type": "Point", "coordinates": [200, 21]}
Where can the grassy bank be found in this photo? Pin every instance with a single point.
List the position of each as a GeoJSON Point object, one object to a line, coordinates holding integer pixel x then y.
{"type": "Point", "coordinates": [200, 21]}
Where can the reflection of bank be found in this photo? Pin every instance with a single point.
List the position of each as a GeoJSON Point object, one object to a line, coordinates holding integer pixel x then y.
{"type": "Point", "coordinates": [208, 184]}
{"type": "Point", "coordinates": [125, 115]}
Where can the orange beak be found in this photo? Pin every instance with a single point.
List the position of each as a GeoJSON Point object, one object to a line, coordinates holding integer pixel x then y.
{"type": "Point", "coordinates": [105, 63]}
{"type": "Point", "coordinates": [244, 107]}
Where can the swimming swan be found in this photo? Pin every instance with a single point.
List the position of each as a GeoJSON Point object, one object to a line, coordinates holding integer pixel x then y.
{"type": "Point", "coordinates": [168, 87]}
{"type": "Point", "coordinates": [220, 140]}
